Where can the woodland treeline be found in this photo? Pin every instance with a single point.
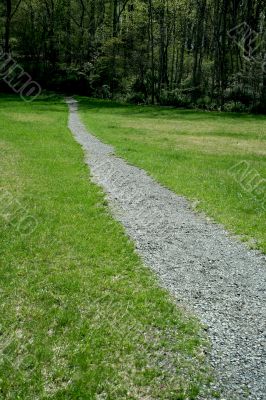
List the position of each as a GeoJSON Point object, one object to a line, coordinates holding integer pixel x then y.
{"type": "Point", "coordinates": [203, 53]}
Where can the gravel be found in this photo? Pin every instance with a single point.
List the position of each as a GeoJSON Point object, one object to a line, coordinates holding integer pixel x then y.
{"type": "Point", "coordinates": [210, 272]}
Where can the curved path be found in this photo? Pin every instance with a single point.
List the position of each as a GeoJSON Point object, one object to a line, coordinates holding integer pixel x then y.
{"type": "Point", "coordinates": [213, 274]}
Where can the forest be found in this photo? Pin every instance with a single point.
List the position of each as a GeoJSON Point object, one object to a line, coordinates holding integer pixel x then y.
{"type": "Point", "coordinates": [207, 54]}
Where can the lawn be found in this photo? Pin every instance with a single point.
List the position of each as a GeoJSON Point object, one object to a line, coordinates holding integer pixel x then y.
{"type": "Point", "coordinates": [81, 317]}
{"type": "Point", "coordinates": [217, 160]}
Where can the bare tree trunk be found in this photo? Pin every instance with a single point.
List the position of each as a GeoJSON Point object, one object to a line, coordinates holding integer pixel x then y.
{"type": "Point", "coordinates": [181, 58]}
{"type": "Point", "coordinates": [198, 46]}
{"type": "Point", "coordinates": [7, 27]}
{"type": "Point", "coordinates": [152, 51]}
{"type": "Point", "coordinates": [115, 18]}
{"type": "Point", "coordinates": [68, 53]}
{"type": "Point", "coordinates": [163, 51]}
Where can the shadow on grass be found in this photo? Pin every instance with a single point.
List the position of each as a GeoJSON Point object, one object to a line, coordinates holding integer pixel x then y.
{"type": "Point", "coordinates": [161, 111]}
{"type": "Point", "coordinates": [41, 100]}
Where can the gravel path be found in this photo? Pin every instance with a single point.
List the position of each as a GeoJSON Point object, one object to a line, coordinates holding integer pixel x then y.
{"type": "Point", "coordinates": [196, 260]}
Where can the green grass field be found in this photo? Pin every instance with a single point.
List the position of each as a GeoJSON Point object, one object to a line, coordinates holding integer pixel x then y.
{"type": "Point", "coordinates": [192, 153]}
{"type": "Point", "coordinates": [81, 317]}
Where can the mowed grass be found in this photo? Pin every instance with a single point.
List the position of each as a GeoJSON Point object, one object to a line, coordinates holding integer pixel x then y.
{"type": "Point", "coordinates": [192, 153]}
{"type": "Point", "coordinates": [81, 317]}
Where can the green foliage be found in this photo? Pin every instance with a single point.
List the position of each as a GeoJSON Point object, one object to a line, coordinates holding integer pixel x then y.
{"type": "Point", "coordinates": [205, 103]}
{"type": "Point", "coordinates": [235, 106]}
{"type": "Point", "coordinates": [162, 46]}
{"type": "Point", "coordinates": [136, 98]}
{"type": "Point", "coordinates": [175, 98]}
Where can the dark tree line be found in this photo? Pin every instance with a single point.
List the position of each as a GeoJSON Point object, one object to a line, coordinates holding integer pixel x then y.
{"type": "Point", "coordinates": [208, 53]}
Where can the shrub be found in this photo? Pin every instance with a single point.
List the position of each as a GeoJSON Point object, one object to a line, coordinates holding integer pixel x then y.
{"type": "Point", "coordinates": [136, 98]}
{"type": "Point", "coordinates": [258, 108]}
{"type": "Point", "coordinates": [203, 102]}
{"type": "Point", "coordinates": [235, 106]}
{"type": "Point", "coordinates": [212, 106]}
{"type": "Point", "coordinates": [174, 98]}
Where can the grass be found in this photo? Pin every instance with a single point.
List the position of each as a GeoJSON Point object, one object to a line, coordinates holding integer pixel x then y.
{"type": "Point", "coordinates": [80, 317]}
{"type": "Point", "coordinates": [192, 153]}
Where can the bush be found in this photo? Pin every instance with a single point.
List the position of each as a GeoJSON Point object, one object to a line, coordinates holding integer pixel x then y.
{"type": "Point", "coordinates": [174, 98]}
{"type": "Point", "coordinates": [203, 102]}
{"type": "Point", "coordinates": [258, 108]}
{"type": "Point", "coordinates": [212, 106]}
{"type": "Point", "coordinates": [136, 98]}
{"type": "Point", "coordinates": [239, 94]}
{"type": "Point", "coordinates": [235, 106]}
{"type": "Point", "coordinates": [105, 91]}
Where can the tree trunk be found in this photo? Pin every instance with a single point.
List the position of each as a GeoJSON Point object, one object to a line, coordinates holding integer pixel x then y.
{"type": "Point", "coordinates": [7, 27]}
{"type": "Point", "coordinates": [198, 47]}
{"type": "Point", "coordinates": [152, 52]}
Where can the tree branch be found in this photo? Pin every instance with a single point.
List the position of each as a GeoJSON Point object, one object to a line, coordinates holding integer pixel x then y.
{"type": "Point", "coordinates": [15, 9]}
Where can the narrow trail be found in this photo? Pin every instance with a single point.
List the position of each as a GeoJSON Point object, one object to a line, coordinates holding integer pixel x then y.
{"type": "Point", "coordinates": [211, 273]}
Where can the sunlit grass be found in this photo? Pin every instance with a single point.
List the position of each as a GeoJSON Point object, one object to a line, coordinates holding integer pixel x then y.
{"type": "Point", "coordinates": [191, 152]}
{"type": "Point", "coordinates": [81, 318]}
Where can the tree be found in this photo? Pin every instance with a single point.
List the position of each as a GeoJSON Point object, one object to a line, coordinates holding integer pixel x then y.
{"type": "Point", "coordinates": [10, 11]}
{"type": "Point", "coordinates": [170, 51]}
